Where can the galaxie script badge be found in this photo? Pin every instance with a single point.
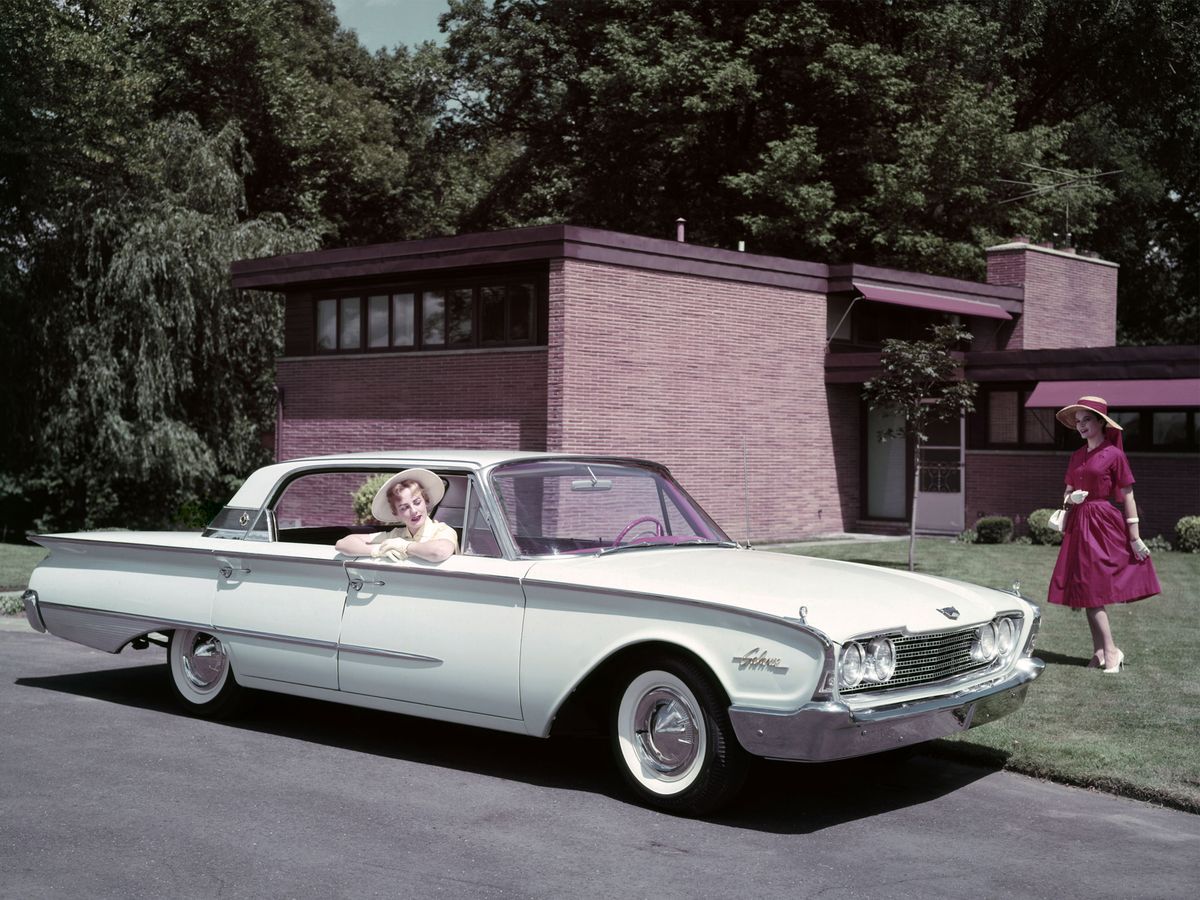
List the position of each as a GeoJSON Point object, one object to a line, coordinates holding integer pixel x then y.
{"type": "Point", "coordinates": [758, 659]}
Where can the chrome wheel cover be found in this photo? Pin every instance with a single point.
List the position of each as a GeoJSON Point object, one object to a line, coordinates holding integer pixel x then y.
{"type": "Point", "coordinates": [204, 662]}
{"type": "Point", "coordinates": [668, 739]}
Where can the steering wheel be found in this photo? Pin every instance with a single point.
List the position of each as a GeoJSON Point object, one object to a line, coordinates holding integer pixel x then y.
{"type": "Point", "coordinates": [659, 529]}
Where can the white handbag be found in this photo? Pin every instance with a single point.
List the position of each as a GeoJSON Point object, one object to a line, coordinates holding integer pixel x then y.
{"type": "Point", "coordinates": [1058, 519]}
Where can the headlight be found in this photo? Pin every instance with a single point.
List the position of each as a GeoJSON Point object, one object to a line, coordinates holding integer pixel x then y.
{"type": "Point", "coordinates": [852, 665]}
{"type": "Point", "coordinates": [881, 659]}
{"type": "Point", "coordinates": [984, 648]}
{"type": "Point", "coordinates": [1006, 636]}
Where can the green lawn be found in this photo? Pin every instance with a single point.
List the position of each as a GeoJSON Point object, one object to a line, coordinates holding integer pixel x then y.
{"type": "Point", "coordinates": [1137, 733]}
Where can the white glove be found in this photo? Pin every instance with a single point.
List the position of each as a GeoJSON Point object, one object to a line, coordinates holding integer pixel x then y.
{"type": "Point", "coordinates": [395, 549]}
{"type": "Point", "coordinates": [1077, 497]}
{"type": "Point", "coordinates": [1140, 550]}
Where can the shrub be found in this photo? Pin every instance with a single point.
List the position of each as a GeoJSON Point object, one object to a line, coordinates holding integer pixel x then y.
{"type": "Point", "coordinates": [994, 529]}
{"type": "Point", "coordinates": [968, 537]}
{"type": "Point", "coordinates": [11, 605]}
{"type": "Point", "coordinates": [1024, 540]}
{"type": "Point", "coordinates": [363, 497]}
{"type": "Point", "coordinates": [1040, 530]}
{"type": "Point", "coordinates": [1158, 544]}
{"type": "Point", "coordinates": [1187, 531]}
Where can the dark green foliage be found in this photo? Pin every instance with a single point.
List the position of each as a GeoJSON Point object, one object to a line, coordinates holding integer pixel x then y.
{"type": "Point", "coordinates": [363, 497]}
{"type": "Point", "coordinates": [994, 529]}
{"type": "Point", "coordinates": [1040, 531]}
{"type": "Point", "coordinates": [1187, 533]}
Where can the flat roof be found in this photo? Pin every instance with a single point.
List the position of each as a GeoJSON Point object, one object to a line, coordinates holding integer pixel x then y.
{"type": "Point", "coordinates": [377, 263]}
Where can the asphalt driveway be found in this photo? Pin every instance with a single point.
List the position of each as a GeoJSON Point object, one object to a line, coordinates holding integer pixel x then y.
{"type": "Point", "coordinates": [107, 791]}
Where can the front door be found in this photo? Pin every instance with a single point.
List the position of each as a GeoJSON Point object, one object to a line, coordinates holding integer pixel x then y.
{"type": "Point", "coordinates": [940, 506]}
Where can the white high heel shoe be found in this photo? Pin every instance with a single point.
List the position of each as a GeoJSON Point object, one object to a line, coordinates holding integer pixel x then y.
{"type": "Point", "coordinates": [1117, 668]}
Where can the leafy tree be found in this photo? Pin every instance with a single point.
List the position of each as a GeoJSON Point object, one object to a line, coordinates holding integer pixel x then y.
{"type": "Point", "coordinates": [885, 133]}
{"type": "Point", "coordinates": [154, 386]}
{"type": "Point", "coordinates": [920, 383]}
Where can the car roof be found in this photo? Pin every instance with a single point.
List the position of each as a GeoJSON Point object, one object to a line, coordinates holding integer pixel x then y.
{"type": "Point", "coordinates": [260, 485]}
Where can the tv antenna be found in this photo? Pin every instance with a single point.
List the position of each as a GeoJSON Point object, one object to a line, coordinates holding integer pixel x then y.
{"type": "Point", "coordinates": [1063, 180]}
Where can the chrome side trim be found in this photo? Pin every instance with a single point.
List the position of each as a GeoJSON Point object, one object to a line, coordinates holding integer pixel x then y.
{"type": "Point", "coordinates": [30, 599]}
{"type": "Point", "coordinates": [271, 636]}
{"type": "Point", "coordinates": [368, 564]}
{"type": "Point", "coordinates": [103, 629]}
{"type": "Point", "coordinates": [820, 636]}
{"type": "Point", "coordinates": [390, 654]}
{"type": "Point", "coordinates": [75, 544]}
{"type": "Point", "coordinates": [89, 627]}
{"type": "Point", "coordinates": [818, 732]}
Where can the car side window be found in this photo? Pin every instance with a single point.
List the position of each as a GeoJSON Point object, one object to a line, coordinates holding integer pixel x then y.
{"type": "Point", "coordinates": [322, 507]}
{"type": "Point", "coordinates": [478, 537]}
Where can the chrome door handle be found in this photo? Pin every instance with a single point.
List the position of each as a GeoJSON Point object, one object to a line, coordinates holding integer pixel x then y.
{"type": "Point", "coordinates": [227, 571]}
{"type": "Point", "coordinates": [357, 583]}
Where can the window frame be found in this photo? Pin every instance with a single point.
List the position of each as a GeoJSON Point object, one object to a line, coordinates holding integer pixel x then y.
{"type": "Point", "coordinates": [512, 285]}
{"type": "Point", "coordinates": [979, 430]}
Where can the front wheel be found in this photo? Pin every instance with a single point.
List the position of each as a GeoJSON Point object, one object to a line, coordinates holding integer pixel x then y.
{"type": "Point", "coordinates": [673, 740]}
{"type": "Point", "coordinates": [201, 678]}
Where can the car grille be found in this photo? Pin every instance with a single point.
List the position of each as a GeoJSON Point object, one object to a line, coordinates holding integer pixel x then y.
{"type": "Point", "coordinates": [926, 659]}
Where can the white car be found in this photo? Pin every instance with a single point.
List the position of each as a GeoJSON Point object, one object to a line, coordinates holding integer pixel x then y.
{"type": "Point", "coordinates": [586, 589]}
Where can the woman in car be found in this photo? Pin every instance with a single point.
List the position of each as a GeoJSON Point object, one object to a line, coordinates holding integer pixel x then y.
{"type": "Point", "coordinates": [406, 499]}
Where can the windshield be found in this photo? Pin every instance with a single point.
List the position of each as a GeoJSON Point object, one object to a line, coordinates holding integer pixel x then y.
{"type": "Point", "coordinates": [555, 507]}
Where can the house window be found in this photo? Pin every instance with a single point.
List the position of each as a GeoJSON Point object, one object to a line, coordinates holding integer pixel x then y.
{"type": "Point", "coordinates": [1006, 423]}
{"type": "Point", "coordinates": [1002, 417]}
{"type": "Point", "coordinates": [1039, 426]}
{"type": "Point", "coordinates": [460, 312]}
{"type": "Point", "coordinates": [349, 323]}
{"type": "Point", "coordinates": [433, 318]}
{"type": "Point", "coordinates": [404, 314]}
{"type": "Point", "coordinates": [327, 325]}
{"type": "Point", "coordinates": [1169, 429]}
{"type": "Point", "coordinates": [437, 317]}
{"type": "Point", "coordinates": [377, 321]}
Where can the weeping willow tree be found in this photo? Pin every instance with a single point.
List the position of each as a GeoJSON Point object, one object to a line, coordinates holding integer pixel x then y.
{"type": "Point", "coordinates": [157, 378]}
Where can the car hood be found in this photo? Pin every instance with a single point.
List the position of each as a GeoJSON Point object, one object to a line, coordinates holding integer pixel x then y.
{"type": "Point", "coordinates": [842, 599]}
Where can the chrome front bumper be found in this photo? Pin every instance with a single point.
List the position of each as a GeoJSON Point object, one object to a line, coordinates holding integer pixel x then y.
{"type": "Point", "coordinates": [826, 731]}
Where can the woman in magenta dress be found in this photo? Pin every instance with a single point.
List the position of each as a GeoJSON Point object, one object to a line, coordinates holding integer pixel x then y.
{"type": "Point", "coordinates": [1103, 559]}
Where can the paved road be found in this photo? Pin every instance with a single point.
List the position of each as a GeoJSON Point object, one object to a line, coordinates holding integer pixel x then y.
{"type": "Point", "coordinates": [106, 791]}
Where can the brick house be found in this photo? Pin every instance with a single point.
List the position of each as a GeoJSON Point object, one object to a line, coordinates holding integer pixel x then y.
{"type": "Point", "coordinates": [741, 372]}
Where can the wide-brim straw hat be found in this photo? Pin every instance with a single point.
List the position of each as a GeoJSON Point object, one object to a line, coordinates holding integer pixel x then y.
{"type": "Point", "coordinates": [1097, 405]}
{"type": "Point", "coordinates": [381, 507]}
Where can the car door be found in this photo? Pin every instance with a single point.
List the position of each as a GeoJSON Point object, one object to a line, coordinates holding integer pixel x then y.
{"type": "Point", "coordinates": [443, 635]}
{"type": "Point", "coordinates": [278, 608]}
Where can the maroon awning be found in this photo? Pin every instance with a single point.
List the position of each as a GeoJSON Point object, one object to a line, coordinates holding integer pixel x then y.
{"type": "Point", "coordinates": [925, 300]}
{"type": "Point", "coordinates": [1134, 392]}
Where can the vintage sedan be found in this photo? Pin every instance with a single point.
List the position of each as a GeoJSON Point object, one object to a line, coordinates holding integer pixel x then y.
{"type": "Point", "coordinates": [585, 590]}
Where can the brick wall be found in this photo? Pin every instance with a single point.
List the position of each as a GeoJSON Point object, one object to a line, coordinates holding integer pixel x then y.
{"type": "Point", "coordinates": [480, 400]}
{"type": "Point", "coordinates": [1070, 301]}
{"type": "Point", "coordinates": [1015, 484]}
{"type": "Point", "coordinates": [710, 378]}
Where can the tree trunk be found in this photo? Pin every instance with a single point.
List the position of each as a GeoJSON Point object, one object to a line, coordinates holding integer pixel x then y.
{"type": "Point", "coordinates": [912, 524]}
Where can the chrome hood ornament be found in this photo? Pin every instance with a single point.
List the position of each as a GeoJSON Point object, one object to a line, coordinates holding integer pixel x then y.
{"type": "Point", "coordinates": [949, 612]}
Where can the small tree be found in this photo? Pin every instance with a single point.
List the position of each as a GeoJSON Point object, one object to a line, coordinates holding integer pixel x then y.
{"type": "Point", "coordinates": [920, 382]}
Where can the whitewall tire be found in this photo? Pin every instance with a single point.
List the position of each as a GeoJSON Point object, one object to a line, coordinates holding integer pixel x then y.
{"type": "Point", "coordinates": [673, 741]}
{"type": "Point", "coordinates": [201, 676]}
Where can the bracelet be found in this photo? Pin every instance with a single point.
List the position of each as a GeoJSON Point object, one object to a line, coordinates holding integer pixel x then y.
{"type": "Point", "coordinates": [1133, 520]}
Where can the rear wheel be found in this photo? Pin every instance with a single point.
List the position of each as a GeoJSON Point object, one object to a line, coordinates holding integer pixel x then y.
{"type": "Point", "coordinates": [673, 740]}
{"type": "Point", "coordinates": [201, 677]}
